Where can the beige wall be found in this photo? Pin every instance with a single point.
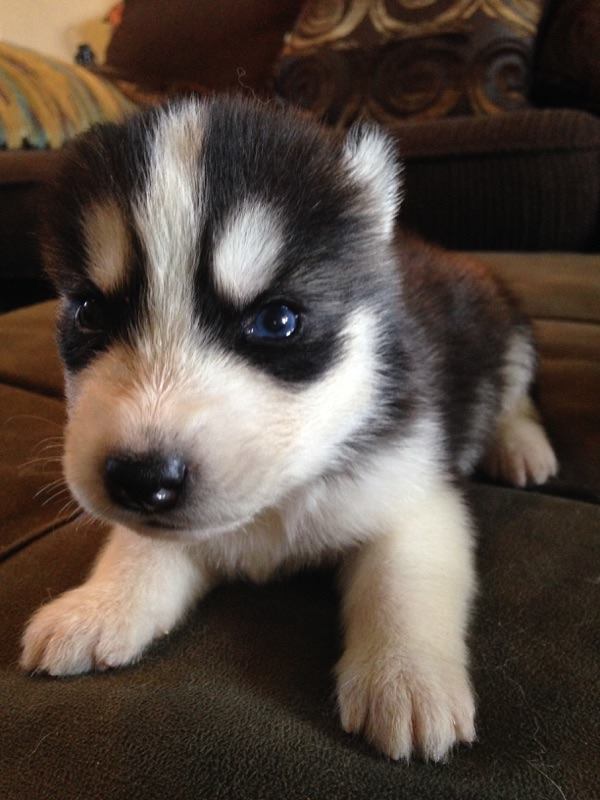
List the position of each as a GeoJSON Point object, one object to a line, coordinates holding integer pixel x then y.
{"type": "Point", "coordinates": [55, 27]}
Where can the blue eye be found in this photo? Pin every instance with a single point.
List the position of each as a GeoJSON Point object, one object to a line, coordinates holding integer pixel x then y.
{"type": "Point", "coordinates": [274, 322]}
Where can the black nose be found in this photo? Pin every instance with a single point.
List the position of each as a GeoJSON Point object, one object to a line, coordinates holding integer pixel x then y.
{"type": "Point", "coordinates": [145, 483]}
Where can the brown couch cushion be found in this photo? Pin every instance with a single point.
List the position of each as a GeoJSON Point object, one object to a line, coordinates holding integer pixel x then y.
{"type": "Point", "coordinates": [28, 356]}
{"type": "Point", "coordinates": [34, 497]}
{"type": "Point", "coordinates": [164, 44]}
{"type": "Point", "coordinates": [396, 60]}
{"type": "Point", "coordinates": [238, 703]}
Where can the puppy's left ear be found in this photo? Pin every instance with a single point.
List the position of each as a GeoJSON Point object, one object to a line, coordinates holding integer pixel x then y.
{"type": "Point", "coordinates": [371, 156]}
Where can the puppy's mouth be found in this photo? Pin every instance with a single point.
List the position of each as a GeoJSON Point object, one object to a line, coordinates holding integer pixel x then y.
{"type": "Point", "coordinates": [166, 526]}
{"type": "Point", "coordinates": [152, 525]}
{"type": "Point", "coordinates": [186, 530]}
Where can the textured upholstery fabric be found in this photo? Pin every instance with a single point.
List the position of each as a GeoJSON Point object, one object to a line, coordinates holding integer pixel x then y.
{"type": "Point", "coordinates": [30, 437]}
{"type": "Point", "coordinates": [44, 102]}
{"type": "Point", "coordinates": [390, 60]}
{"type": "Point", "coordinates": [28, 356]}
{"type": "Point", "coordinates": [238, 702]}
{"type": "Point", "coordinates": [523, 181]}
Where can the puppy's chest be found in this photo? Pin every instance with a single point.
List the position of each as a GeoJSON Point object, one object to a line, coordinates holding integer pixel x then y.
{"type": "Point", "coordinates": [279, 542]}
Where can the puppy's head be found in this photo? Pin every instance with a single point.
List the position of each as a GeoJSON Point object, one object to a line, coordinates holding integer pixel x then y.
{"type": "Point", "coordinates": [227, 287]}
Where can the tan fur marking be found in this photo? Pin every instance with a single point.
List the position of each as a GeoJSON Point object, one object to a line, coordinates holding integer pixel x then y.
{"type": "Point", "coordinates": [107, 244]}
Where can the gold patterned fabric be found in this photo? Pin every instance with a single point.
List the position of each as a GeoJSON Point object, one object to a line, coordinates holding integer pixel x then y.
{"type": "Point", "coordinates": [394, 59]}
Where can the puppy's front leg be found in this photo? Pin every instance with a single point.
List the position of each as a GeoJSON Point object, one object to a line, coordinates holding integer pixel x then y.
{"type": "Point", "coordinates": [139, 589]}
{"type": "Point", "coordinates": [403, 680]}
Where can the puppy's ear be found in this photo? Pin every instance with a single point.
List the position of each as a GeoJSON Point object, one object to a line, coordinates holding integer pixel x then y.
{"type": "Point", "coordinates": [371, 156]}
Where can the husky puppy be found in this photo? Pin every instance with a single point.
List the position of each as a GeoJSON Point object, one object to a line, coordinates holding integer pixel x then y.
{"type": "Point", "coordinates": [261, 374]}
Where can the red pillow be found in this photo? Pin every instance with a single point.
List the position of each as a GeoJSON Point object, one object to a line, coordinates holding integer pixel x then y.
{"type": "Point", "coordinates": [213, 44]}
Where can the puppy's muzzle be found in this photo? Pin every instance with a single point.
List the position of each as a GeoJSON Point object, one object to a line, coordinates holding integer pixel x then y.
{"type": "Point", "coordinates": [146, 484]}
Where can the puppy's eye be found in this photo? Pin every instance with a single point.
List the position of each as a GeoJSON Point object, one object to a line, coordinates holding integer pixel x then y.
{"type": "Point", "coordinates": [273, 322]}
{"type": "Point", "coordinates": [89, 316]}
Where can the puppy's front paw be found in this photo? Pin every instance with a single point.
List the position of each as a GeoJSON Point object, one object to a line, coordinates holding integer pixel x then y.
{"type": "Point", "coordinates": [405, 709]}
{"type": "Point", "coordinates": [91, 627]}
{"type": "Point", "coordinates": [521, 454]}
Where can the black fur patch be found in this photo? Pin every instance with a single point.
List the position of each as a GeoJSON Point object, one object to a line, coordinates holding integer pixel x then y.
{"type": "Point", "coordinates": [462, 323]}
{"type": "Point", "coordinates": [120, 312]}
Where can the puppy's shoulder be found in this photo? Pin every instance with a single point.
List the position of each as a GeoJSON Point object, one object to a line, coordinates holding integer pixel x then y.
{"type": "Point", "coordinates": [439, 282]}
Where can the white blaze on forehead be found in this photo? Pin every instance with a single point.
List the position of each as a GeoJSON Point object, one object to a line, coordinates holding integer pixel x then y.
{"type": "Point", "coordinates": [168, 213]}
{"type": "Point", "coordinates": [246, 253]}
{"type": "Point", "coordinates": [107, 244]}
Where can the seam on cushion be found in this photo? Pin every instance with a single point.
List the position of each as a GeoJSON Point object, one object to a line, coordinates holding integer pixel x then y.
{"type": "Point", "coordinates": [21, 544]}
{"type": "Point", "coordinates": [562, 491]}
{"type": "Point", "coordinates": [14, 383]}
{"type": "Point", "coordinates": [594, 323]}
{"type": "Point", "coordinates": [453, 157]}
{"type": "Point", "coordinates": [568, 491]}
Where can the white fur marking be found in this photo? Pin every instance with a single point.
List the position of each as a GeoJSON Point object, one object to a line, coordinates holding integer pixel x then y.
{"type": "Point", "coordinates": [168, 217]}
{"type": "Point", "coordinates": [246, 253]}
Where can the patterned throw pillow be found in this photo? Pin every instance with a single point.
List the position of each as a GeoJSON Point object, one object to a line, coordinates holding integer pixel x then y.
{"type": "Point", "coordinates": [394, 59]}
{"type": "Point", "coordinates": [44, 102]}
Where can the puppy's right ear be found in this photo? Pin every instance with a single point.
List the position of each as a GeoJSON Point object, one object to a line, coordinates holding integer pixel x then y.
{"type": "Point", "coordinates": [371, 156]}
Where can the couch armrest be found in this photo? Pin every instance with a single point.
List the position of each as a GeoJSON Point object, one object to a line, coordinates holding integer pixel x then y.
{"type": "Point", "coordinates": [527, 180]}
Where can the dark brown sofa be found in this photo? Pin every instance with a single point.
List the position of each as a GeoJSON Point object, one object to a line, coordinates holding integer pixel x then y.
{"type": "Point", "coordinates": [238, 703]}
